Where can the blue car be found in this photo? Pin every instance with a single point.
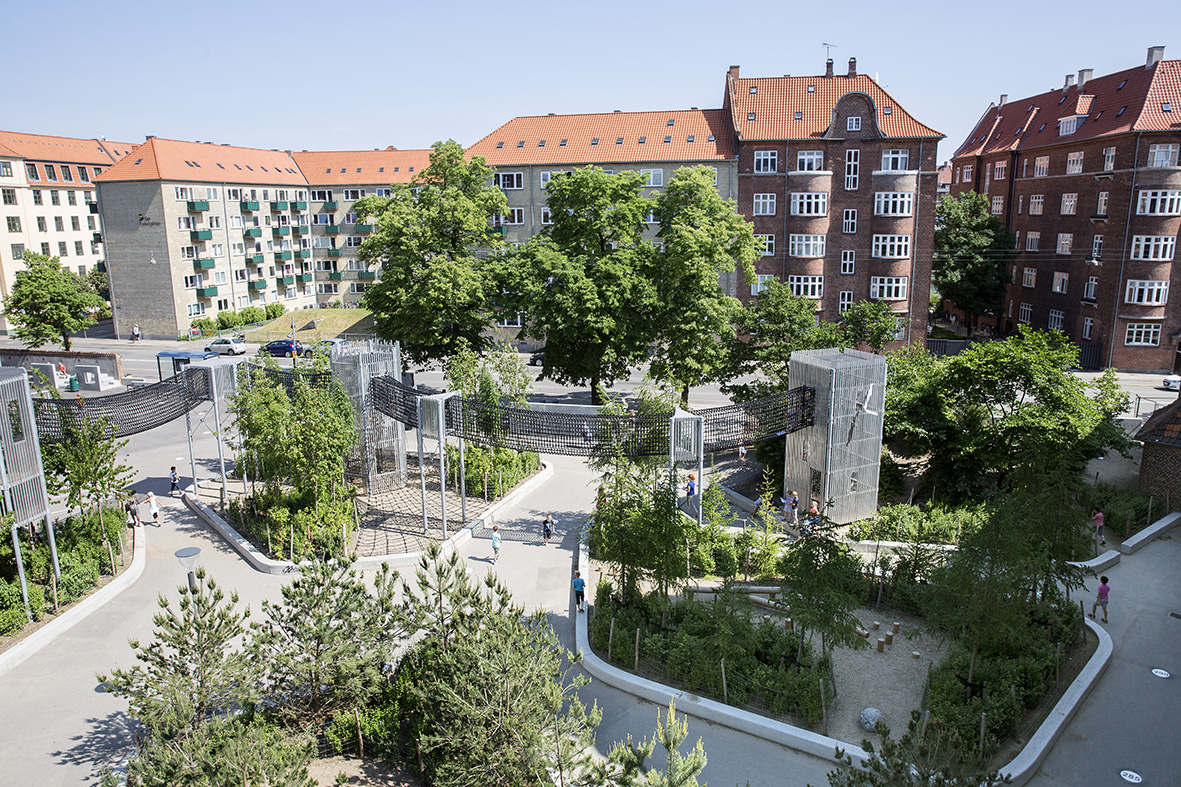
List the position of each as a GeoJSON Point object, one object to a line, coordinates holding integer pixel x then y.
{"type": "Point", "coordinates": [285, 348]}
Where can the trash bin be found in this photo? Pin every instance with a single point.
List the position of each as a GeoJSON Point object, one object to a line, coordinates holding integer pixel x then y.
{"type": "Point", "coordinates": [73, 384]}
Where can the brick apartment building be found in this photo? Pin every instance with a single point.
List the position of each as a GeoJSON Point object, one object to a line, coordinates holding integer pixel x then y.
{"type": "Point", "coordinates": [1087, 177]}
{"type": "Point", "coordinates": [47, 199]}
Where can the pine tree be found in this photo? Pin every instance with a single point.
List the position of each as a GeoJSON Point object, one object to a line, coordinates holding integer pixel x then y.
{"type": "Point", "coordinates": [682, 770]}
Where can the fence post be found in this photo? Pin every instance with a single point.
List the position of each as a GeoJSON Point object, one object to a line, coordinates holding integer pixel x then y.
{"type": "Point", "coordinates": [725, 688]}
{"type": "Point", "coordinates": [823, 708]}
{"type": "Point", "coordinates": [1149, 522]}
{"type": "Point", "coordinates": [611, 639]}
{"type": "Point", "coordinates": [1082, 610]}
{"type": "Point", "coordinates": [360, 741]}
{"type": "Point", "coordinates": [1057, 663]}
{"type": "Point", "coordinates": [637, 650]}
{"type": "Point", "coordinates": [983, 727]}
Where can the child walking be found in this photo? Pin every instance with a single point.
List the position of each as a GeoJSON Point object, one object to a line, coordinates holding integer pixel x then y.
{"type": "Point", "coordinates": [1101, 599]}
{"type": "Point", "coordinates": [154, 508]}
{"type": "Point", "coordinates": [495, 543]}
{"type": "Point", "coordinates": [174, 480]}
{"type": "Point", "coordinates": [547, 527]}
{"type": "Point", "coordinates": [579, 585]}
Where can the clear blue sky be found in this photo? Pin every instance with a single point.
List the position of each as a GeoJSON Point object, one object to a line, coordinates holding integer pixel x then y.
{"type": "Point", "coordinates": [355, 75]}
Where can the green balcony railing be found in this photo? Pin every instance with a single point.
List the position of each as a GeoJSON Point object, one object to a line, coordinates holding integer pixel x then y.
{"type": "Point", "coordinates": [198, 205]}
{"type": "Point", "coordinates": [335, 275]}
{"type": "Point", "coordinates": [332, 229]}
{"type": "Point", "coordinates": [367, 275]}
{"type": "Point", "coordinates": [303, 277]}
{"type": "Point", "coordinates": [330, 206]}
{"type": "Point", "coordinates": [284, 280]}
{"type": "Point", "coordinates": [302, 230]}
{"type": "Point", "coordinates": [334, 252]}
{"type": "Point", "coordinates": [282, 255]}
{"type": "Point", "coordinates": [206, 292]}
{"type": "Point", "coordinates": [304, 254]}
{"type": "Point", "coordinates": [203, 265]}
{"type": "Point", "coordinates": [279, 205]}
{"type": "Point", "coordinates": [200, 234]}
{"type": "Point", "coordinates": [299, 205]}
{"type": "Point", "coordinates": [364, 228]}
{"type": "Point", "coordinates": [256, 259]}
{"type": "Point", "coordinates": [257, 284]}
{"type": "Point", "coordinates": [248, 205]}
{"type": "Point", "coordinates": [280, 231]}
{"type": "Point", "coordinates": [252, 232]}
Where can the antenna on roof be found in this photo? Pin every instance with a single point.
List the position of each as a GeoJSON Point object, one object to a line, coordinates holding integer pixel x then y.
{"type": "Point", "coordinates": [828, 49]}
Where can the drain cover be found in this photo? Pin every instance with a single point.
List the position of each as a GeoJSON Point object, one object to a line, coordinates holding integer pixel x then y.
{"type": "Point", "coordinates": [1160, 673]}
{"type": "Point", "coordinates": [1130, 776]}
{"type": "Point", "coordinates": [1175, 615]}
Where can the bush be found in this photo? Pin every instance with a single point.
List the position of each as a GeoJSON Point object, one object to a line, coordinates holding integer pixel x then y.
{"type": "Point", "coordinates": [274, 310]}
{"type": "Point", "coordinates": [491, 471]}
{"type": "Point", "coordinates": [925, 523]}
{"type": "Point", "coordinates": [1120, 506]}
{"type": "Point", "coordinates": [228, 319]}
{"type": "Point", "coordinates": [252, 314]}
{"type": "Point", "coordinates": [890, 479]}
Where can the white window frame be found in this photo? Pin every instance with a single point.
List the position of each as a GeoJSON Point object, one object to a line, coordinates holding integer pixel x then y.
{"type": "Point", "coordinates": [1069, 204]}
{"type": "Point", "coordinates": [1060, 283]}
{"type": "Point", "coordinates": [806, 245]}
{"type": "Point", "coordinates": [1158, 248]}
{"type": "Point", "coordinates": [849, 221]}
{"type": "Point", "coordinates": [1091, 289]}
{"type": "Point", "coordinates": [653, 178]}
{"type": "Point", "coordinates": [844, 301]}
{"type": "Point", "coordinates": [853, 123]}
{"type": "Point", "coordinates": [888, 288]}
{"type": "Point", "coordinates": [1056, 318]}
{"type": "Point", "coordinates": [1141, 334]}
{"type": "Point", "coordinates": [893, 203]}
{"type": "Point", "coordinates": [767, 243]}
{"type": "Point", "coordinates": [1097, 247]}
{"type": "Point", "coordinates": [891, 247]}
{"type": "Point", "coordinates": [1025, 313]}
{"type": "Point", "coordinates": [761, 283]}
{"type": "Point", "coordinates": [1065, 243]}
{"type": "Point", "coordinates": [999, 170]}
{"type": "Point", "coordinates": [766, 161]}
{"type": "Point", "coordinates": [1088, 328]}
{"type": "Point", "coordinates": [998, 206]}
{"type": "Point", "coordinates": [811, 287]}
{"type": "Point", "coordinates": [352, 195]}
{"type": "Point", "coordinates": [1074, 162]}
{"type": "Point", "coordinates": [1158, 202]}
{"type": "Point", "coordinates": [1147, 292]}
{"type": "Point", "coordinates": [1163, 155]}
{"type": "Point", "coordinates": [1108, 159]}
{"type": "Point", "coordinates": [1041, 166]}
{"type": "Point", "coordinates": [763, 204]}
{"type": "Point", "coordinates": [183, 193]}
{"type": "Point", "coordinates": [809, 203]}
{"type": "Point", "coordinates": [895, 160]}
{"type": "Point", "coordinates": [508, 181]}
{"type": "Point", "coordinates": [809, 161]}
{"type": "Point", "coordinates": [852, 169]}
{"type": "Point", "coordinates": [1037, 204]}
{"type": "Point", "coordinates": [1101, 204]}
{"type": "Point", "coordinates": [1029, 277]}
{"type": "Point", "coordinates": [848, 262]}
{"type": "Point", "coordinates": [969, 169]}
{"type": "Point", "coordinates": [196, 309]}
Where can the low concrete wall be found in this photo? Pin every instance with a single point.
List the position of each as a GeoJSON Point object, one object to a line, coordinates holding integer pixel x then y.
{"type": "Point", "coordinates": [29, 646]}
{"type": "Point", "coordinates": [110, 364]}
{"type": "Point", "coordinates": [1157, 528]}
{"type": "Point", "coordinates": [1100, 563]}
{"type": "Point", "coordinates": [462, 534]}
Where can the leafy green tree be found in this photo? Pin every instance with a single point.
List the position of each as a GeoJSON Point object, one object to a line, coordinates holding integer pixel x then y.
{"type": "Point", "coordinates": [972, 253]}
{"type": "Point", "coordinates": [96, 280]}
{"type": "Point", "coordinates": [322, 432]}
{"type": "Point", "coordinates": [869, 323]}
{"type": "Point", "coordinates": [587, 284]}
{"type": "Point", "coordinates": [435, 292]}
{"type": "Point", "coordinates": [48, 303]}
{"type": "Point", "coordinates": [915, 411]}
{"type": "Point", "coordinates": [192, 668]}
{"type": "Point", "coordinates": [703, 236]}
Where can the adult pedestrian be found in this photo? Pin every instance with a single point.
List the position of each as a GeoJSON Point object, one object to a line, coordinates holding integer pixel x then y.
{"type": "Point", "coordinates": [1101, 598]}
{"type": "Point", "coordinates": [691, 487]}
{"type": "Point", "coordinates": [547, 528]}
{"type": "Point", "coordinates": [579, 585]}
{"type": "Point", "coordinates": [495, 543]}
{"type": "Point", "coordinates": [131, 506]}
{"type": "Point", "coordinates": [136, 335]}
{"type": "Point", "coordinates": [1097, 526]}
{"type": "Point", "coordinates": [153, 508]}
{"type": "Point", "coordinates": [174, 480]}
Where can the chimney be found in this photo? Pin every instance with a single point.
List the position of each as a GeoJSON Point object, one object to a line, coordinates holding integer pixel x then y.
{"type": "Point", "coordinates": [1004, 100]}
{"type": "Point", "coordinates": [828, 69]}
{"type": "Point", "coordinates": [734, 72]}
{"type": "Point", "coordinates": [852, 66]}
{"type": "Point", "coordinates": [1084, 76]}
{"type": "Point", "coordinates": [1155, 55]}
{"type": "Point", "coordinates": [1069, 83]}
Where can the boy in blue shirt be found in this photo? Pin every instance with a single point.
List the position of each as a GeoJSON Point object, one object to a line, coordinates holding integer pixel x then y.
{"type": "Point", "coordinates": [579, 592]}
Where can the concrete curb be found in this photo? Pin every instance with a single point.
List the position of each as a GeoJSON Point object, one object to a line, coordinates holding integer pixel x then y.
{"type": "Point", "coordinates": [710, 710]}
{"type": "Point", "coordinates": [1100, 563]}
{"type": "Point", "coordinates": [1157, 528]}
{"type": "Point", "coordinates": [29, 646]}
{"type": "Point", "coordinates": [1022, 767]}
{"type": "Point", "coordinates": [463, 534]}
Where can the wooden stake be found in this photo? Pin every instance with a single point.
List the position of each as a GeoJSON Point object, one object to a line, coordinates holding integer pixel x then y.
{"type": "Point", "coordinates": [725, 689]}
{"type": "Point", "coordinates": [823, 707]}
{"type": "Point", "coordinates": [637, 650]}
{"type": "Point", "coordinates": [611, 639]}
{"type": "Point", "coordinates": [360, 740]}
{"type": "Point", "coordinates": [983, 727]}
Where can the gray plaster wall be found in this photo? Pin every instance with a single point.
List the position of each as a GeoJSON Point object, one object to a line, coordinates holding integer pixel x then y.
{"type": "Point", "coordinates": [110, 364]}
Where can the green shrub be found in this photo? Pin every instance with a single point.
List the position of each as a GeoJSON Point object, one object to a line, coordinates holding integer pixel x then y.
{"type": "Point", "coordinates": [252, 314]}
{"type": "Point", "coordinates": [890, 479]}
{"type": "Point", "coordinates": [274, 310]}
{"type": "Point", "coordinates": [933, 524]}
{"type": "Point", "coordinates": [228, 319]}
{"type": "Point", "coordinates": [1120, 506]}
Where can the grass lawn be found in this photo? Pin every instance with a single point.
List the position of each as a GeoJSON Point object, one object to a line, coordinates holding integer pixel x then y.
{"type": "Point", "coordinates": [939, 332]}
{"type": "Point", "coordinates": [328, 323]}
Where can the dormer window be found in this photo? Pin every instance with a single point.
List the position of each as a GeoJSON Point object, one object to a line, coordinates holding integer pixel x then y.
{"type": "Point", "coordinates": [1166, 107]}
{"type": "Point", "coordinates": [750, 115]}
{"type": "Point", "coordinates": [595, 141]}
{"type": "Point", "coordinates": [668, 139]}
{"type": "Point", "coordinates": [799, 116]}
{"type": "Point", "coordinates": [753, 89]}
{"type": "Point", "coordinates": [672, 121]}
{"type": "Point", "coordinates": [562, 144]}
{"type": "Point", "coordinates": [521, 144]}
{"type": "Point", "coordinates": [692, 138]}
{"type": "Point", "coordinates": [541, 144]}
{"type": "Point", "coordinates": [1067, 126]}
{"type": "Point", "coordinates": [711, 137]}
{"type": "Point", "coordinates": [888, 111]}
{"type": "Point", "coordinates": [619, 140]}
{"type": "Point", "coordinates": [643, 140]}
{"type": "Point", "coordinates": [499, 145]}
{"type": "Point", "coordinates": [811, 88]}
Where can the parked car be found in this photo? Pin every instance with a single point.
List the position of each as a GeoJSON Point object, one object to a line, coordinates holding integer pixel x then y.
{"type": "Point", "coordinates": [285, 348]}
{"type": "Point", "coordinates": [1173, 382]}
{"type": "Point", "coordinates": [227, 345]}
{"type": "Point", "coordinates": [326, 345]}
{"type": "Point", "coordinates": [537, 358]}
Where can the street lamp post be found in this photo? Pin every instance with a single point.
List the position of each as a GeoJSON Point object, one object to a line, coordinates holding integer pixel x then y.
{"type": "Point", "coordinates": [188, 559]}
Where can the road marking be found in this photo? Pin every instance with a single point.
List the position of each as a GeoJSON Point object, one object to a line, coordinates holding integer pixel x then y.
{"type": "Point", "coordinates": [1160, 673]}
{"type": "Point", "coordinates": [1130, 776]}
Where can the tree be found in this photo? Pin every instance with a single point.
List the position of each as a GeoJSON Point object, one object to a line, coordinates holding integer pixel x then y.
{"type": "Point", "coordinates": [972, 253]}
{"type": "Point", "coordinates": [703, 236]}
{"type": "Point", "coordinates": [915, 412]}
{"type": "Point", "coordinates": [870, 323]}
{"type": "Point", "coordinates": [435, 292]}
{"type": "Point", "coordinates": [628, 758]}
{"type": "Point", "coordinates": [587, 284]}
{"type": "Point", "coordinates": [49, 303]}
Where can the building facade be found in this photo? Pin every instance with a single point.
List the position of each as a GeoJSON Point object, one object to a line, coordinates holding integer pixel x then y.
{"type": "Point", "coordinates": [1087, 179]}
{"type": "Point", "coordinates": [840, 183]}
{"type": "Point", "coordinates": [47, 197]}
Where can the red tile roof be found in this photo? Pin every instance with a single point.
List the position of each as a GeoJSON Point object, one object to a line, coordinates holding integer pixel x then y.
{"type": "Point", "coordinates": [608, 138]}
{"type": "Point", "coordinates": [68, 150]}
{"type": "Point", "coordinates": [1163, 427]}
{"type": "Point", "coordinates": [1119, 103]}
{"type": "Point", "coordinates": [778, 99]}
{"type": "Point", "coordinates": [203, 162]}
{"type": "Point", "coordinates": [361, 167]}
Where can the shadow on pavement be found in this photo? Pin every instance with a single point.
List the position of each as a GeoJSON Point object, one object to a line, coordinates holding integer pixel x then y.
{"type": "Point", "coordinates": [108, 742]}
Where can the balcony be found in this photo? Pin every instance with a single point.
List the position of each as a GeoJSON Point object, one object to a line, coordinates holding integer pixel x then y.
{"type": "Point", "coordinates": [198, 205]}
{"type": "Point", "coordinates": [257, 284]}
{"type": "Point", "coordinates": [255, 259]}
{"type": "Point", "coordinates": [277, 232]}
{"type": "Point", "coordinates": [330, 206]}
{"type": "Point", "coordinates": [335, 275]}
{"type": "Point", "coordinates": [252, 232]}
{"type": "Point", "coordinates": [364, 228]}
{"type": "Point", "coordinates": [284, 280]}
{"type": "Point", "coordinates": [334, 252]}
{"type": "Point", "coordinates": [332, 229]}
{"type": "Point", "coordinates": [200, 234]}
{"type": "Point", "coordinates": [302, 229]}
{"type": "Point", "coordinates": [248, 205]}
{"type": "Point", "coordinates": [367, 275]}
{"type": "Point", "coordinates": [280, 205]}
{"type": "Point", "coordinates": [203, 265]}
{"type": "Point", "coordinates": [282, 255]}
{"type": "Point", "coordinates": [299, 205]}
{"type": "Point", "coordinates": [101, 267]}
{"type": "Point", "coordinates": [303, 277]}
{"type": "Point", "coordinates": [206, 292]}
{"type": "Point", "coordinates": [304, 254]}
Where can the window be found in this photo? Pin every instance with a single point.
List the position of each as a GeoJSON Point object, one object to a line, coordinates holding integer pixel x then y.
{"type": "Point", "coordinates": [1101, 206]}
{"type": "Point", "coordinates": [1069, 204]}
{"type": "Point", "coordinates": [1029, 277]}
{"type": "Point", "coordinates": [1037, 203]}
{"type": "Point", "coordinates": [18, 251]}
{"type": "Point", "coordinates": [1065, 241]}
{"type": "Point", "coordinates": [1143, 334]}
{"type": "Point", "coordinates": [1153, 247]}
{"type": "Point", "coordinates": [968, 169]}
{"type": "Point", "coordinates": [998, 170]}
{"type": "Point", "coordinates": [761, 284]}
{"type": "Point", "coordinates": [1055, 321]}
{"type": "Point", "coordinates": [853, 123]}
{"type": "Point", "coordinates": [14, 223]}
{"type": "Point", "coordinates": [1025, 313]}
{"type": "Point", "coordinates": [54, 198]}
{"type": "Point", "coordinates": [766, 243]}
{"type": "Point", "coordinates": [1108, 159]}
{"type": "Point", "coordinates": [1097, 247]}
{"type": "Point", "coordinates": [220, 277]}
{"type": "Point", "coordinates": [322, 219]}
{"type": "Point", "coordinates": [1074, 163]}
{"type": "Point", "coordinates": [1147, 292]}
{"type": "Point", "coordinates": [59, 224]}
{"type": "Point", "coordinates": [806, 286]}
{"type": "Point", "coordinates": [37, 197]}
{"type": "Point", "coordinates": [5, 169]}
{"type": "Point", "coordinates": [764, 204]}
{"type": "Point", "coordinates": [1031, 240]}
{"type": "Point", "coordinates": [998, 205]}
{"type": "Point", "coordinates": [236, 222]}
{"type": "Point", "coordinates": [183, 193]}
{"type": "Point", "coordinates": [188, 252]}
{"type": "Point", "coordinates": [353, 242]}
{"type": "Point", "coordinates": [327, 288]}
{"type": "Point", "coordinates": [322, 195]}
{"type": "Point", "coordinates": [31, 172]}
{"type": "Point", "coordinates": [809, 203]}
{"type": "Point", "coordinates": [888, 288]}
{"type": "Point", "coordinates": [852, 169]}
{"type": "Point", "coordinates": [75, 223]}
{"type": "Point", "coordinates": [1088, 327]}
{"type": "Point", "coordinates": [357, 287]}
{"type": "Point", "coordinates": [9, 196]}
{"type": "Point", "coordinates": [845, 301]}
{"type": "Point", "coordinates": [83, 175]}
{"type": "Point", "coordinates": [192, 281]}
{"type": "Point", "coordinates": [513, 216]}
{"type": "Point", "coordinates": [766, 161]}
{"type": "Point", "coordinates": [810, 160]}
{"type": "Point", "coordinates": [51, 172]}
{"type": "Point", "coordinates": [196, 309]}
{"type": "Point", "coordinates": [508, 180]}
{"type": "Point", "coordinates": [806, 245]}
{"type": "Point", "coordinates": [1041, 166]}
{"type": "Point", "coordinates": [72, 198]}
{"type": "Point", "coordinates": [892, 246]}
{"type": "Point", "coordinates": [510, 319]}
{"type": "Point", "coordinates": [895, 160]}
{"type": "Point", "coordinates": [893, 203]}
{"type": "Point", "coordinates": [546, 216]}
{"type": "Point", "coordinates": [849, 221]}
{"type": "Point", "coordinates": [1158, 155]}
{"type": "Point", "coordinates": [217, 250]}
{"type": "Point", "coordinates": [223, 304]}
{"type": "Point", "coordinates": [185, 223]}
{"type": "Point", "coordinates": [41, 225]}
{"type": "Point", "coordinates": [1061, 281]}
{"type": "Point", "coordinates": [44, 249]}
{"type": "Point", "coordinates": [67, 174]}
{"type": "Point", "coordinates": [848, 262]}
{"type": "Point", "coordinates": [240, 274]}
{"type": "Point", "coordinates": [352, 195]}
{"type": "Point", "coordinates": [1150, 203]}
